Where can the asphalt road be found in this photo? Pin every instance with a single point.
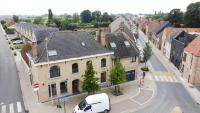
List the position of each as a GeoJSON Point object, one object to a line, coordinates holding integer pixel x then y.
{"type": "Point", "coordinates": [10, 91]}
{"type": "Point", "coordinates": [157, 65]}
{"type": "Point", "coordinates": [168, 94]}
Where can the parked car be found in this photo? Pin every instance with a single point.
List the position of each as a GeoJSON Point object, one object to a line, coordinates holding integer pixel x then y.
{"type": "Point", "coordinates": [18, 42]}
{"type": "Point", "coordinates": [141, 57]}
{"type": "Point", "coordinates": [14, 39]}
{"type": "Point", "coordinates": [94, 104]}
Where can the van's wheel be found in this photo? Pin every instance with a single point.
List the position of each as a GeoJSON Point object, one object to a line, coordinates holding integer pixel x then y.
{"type": "Point", "coordinates": [106, 111]}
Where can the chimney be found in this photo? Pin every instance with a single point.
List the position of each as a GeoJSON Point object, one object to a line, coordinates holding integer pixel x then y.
{"type": "Point", "coordinates": [100, 37]}
{"type": "Point", "coordinates": [34, 49]}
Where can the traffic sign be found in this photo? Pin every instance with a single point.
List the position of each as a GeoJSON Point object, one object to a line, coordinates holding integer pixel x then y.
{"type": "Point", "coordinates": [64, 99]}
{"type": "Point", "coordinates": [36, 86]}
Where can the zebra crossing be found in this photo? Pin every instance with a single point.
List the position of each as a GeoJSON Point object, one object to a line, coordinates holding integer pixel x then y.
{"type": "Point", "coordinates": [164, 78]}
{"type": "Point", "coordinates": [15, 107]}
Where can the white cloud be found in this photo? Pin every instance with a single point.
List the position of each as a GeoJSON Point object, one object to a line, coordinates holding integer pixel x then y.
{"type": "Point", "coordinates": [37, 7]}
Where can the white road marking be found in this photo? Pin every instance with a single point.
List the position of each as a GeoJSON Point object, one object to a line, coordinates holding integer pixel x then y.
{"type": "Point", "coordinates": [161, 78]}
{"type": "Point", "coordinates": [150, 77]}
{"type": "Point", "coordinates": [165, 78]}
{"type": "Point", "coordinates": [19, 107]}
{"type": "Point", "coordinates": [175, 79]}
{"type": "Point", "coordinates": [1, 103]}
{"type": "Point", "coordinates": [3, 109]}
{"type": "Point", "coordinates": [156, 77]}
{"type": "Point", "coordinates": [11, 108]}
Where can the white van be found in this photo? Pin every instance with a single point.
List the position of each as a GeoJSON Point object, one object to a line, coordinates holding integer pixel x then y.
{"type": "Point", "coordinates": [94, 104]}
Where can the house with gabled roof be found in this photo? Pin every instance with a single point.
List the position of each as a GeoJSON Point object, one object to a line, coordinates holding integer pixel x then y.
{"type": "Point", "coordinates": [58, 60]}
{"type": "Point", "coordinates": [191, 62]}
{"type": "Point", "coordinates": [125, 50]}
{"type": "Point", "coordinates": [179, 41]}
{"type": "Point", "coordinates": [158, 32]}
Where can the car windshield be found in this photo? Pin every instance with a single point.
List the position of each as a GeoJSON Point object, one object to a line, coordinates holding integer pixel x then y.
{"type": "Point", "coordinates": [82, 104]}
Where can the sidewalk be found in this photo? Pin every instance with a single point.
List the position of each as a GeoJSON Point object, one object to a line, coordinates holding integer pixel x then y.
{"type": "Point", "coordinates": [132, 95]}
{"type": "Point", "coordinates": [194, 92]}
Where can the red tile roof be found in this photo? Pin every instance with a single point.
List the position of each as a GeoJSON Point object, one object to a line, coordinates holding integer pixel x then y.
{"type": "Point", "coordinates": [10, 22]}
{"type": "Point", "coordinates": [194, 47]}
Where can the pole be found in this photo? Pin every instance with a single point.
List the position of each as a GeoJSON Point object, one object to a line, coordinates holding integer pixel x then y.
{"type": "Point", "coordinates": [64, 108]}
{"type": "Point", "coordinates": [38, 95]}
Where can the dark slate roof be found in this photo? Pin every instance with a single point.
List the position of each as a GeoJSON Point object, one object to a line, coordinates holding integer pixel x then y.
{"type": "Point", "coordinates": [69, 45]}
{"type": "Point", "coordinates": [40, 31]}
{"type": "Point", "coordinates": [159, 31]}
{"type": "Point", "coordinates": [121, 50]}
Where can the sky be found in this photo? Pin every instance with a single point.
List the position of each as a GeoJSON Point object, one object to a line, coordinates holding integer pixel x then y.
{"type": "Point", "coordinates": [39, 7]}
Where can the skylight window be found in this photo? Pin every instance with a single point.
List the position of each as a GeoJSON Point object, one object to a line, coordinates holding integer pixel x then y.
{"type": "Point", "coordinates": [52, 52]}
{"type": "Point", "coordinates": [83, 43]}
{"type": "Point", "coordinates": [127, 44]}
{"type": "Point", "coordinates": [112, 44]}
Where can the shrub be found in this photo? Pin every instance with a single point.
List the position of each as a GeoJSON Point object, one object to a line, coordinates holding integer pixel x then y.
{"type": "Point", "coordinates": [145, 69]}
{"type": "Point", "coordinates": [19, 46]}
{"type": "Point", "coordinates": [14, 53]}
{"type": "Point", "coordinates": [12, 48]}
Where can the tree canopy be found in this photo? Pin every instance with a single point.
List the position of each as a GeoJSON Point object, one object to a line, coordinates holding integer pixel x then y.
{"type": "Point", "coordinates": [117, 75]}
{"type": "Point", "coordinates": [75, 18]}
{"type": "Point", "coordinates": [192, 15]}
{"type": "Point", "coordinates": [90, 82]}
{"type": "Point", "coordinates": [96, 15]}
{"type": "Point", "coordinates": [86, 16]}
{"type": "Point", "coordinates": [39, 20]}
{"type": "Point", "coordinates": [176, 17]}
{"type": "Point", "coordinates": [147, 52]}
{"type": "Point", "coordinates": [15, 18]}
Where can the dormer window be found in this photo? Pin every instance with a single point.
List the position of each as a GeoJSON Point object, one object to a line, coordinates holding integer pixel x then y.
{"type": "Point", "coordinates": [127, 44]}
{"type": "Point", "coordinates": [52, 52]}
{"type": "Point", "coordinates": [113, 45]}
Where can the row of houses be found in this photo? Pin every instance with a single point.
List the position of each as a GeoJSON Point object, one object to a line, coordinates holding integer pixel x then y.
{"type": "Point", "coordinates": [58, 60]}
{"type": "Point", "coordinates": [177, 44]}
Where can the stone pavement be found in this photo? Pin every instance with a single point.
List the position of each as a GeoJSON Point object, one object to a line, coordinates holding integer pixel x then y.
{"type": "Point", "coordinates": [133, 97]}
{"type": "Point", "coordinates": [194, 92]}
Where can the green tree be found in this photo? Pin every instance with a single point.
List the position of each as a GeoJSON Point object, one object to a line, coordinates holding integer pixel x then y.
{"type": "Point", "coordinates": [117, 76]}
{"type": "Point", "coordinates": [86, 16]}
{"type": "Point", "coordinates": [176, 17]}
{"type": "Point", "coordinates": [75, 17]}
{"type": "Point", "coordinates": [147, 52]}
{"type": "Point", "coordinates": [3, 22]}
{"type": "Point", "coordinates": [90, 82]}
{"type": "Point", "coordinates": [15, 18]}
{"type": "Point", "coordinates": [106, 17]}
{"type": "Point", "coordinates": [50, 15]}
{"type": "Point", "coordinates": [58, 21]}
{"type": "Point", "coordinates": [38, 20]}
{"type": "Point", "coordinates": [96, 15]}
{"type": "Point", "coordinates": [50, 21]}
{"type": "Point", "coordinates": [192, 15]}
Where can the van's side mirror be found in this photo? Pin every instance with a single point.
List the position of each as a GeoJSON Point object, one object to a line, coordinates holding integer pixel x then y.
{"type": "Point", "coordinates": [88, 107]}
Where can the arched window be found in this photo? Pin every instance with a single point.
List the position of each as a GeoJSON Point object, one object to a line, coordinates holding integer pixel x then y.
{"type": "Point", "coordinates": [88, 62]}
{"type": "Point", "coordinates": [75, 68]}
{"type": "Point", "coordinates": [54, 71]}
{"type": "Point", "coordinates": [103, 62]}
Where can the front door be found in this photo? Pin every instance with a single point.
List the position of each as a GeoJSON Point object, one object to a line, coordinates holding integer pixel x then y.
{"type": "Point", "coordinates": [130, 75]}
{"type": "Point", "coordinates": [75, 86]}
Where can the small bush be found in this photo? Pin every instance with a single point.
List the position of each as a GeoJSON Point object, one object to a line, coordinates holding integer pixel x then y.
{"type": "Point", "coordinates": [12, 48]}
{"type": "Point", "coordinates": [145, 69]}
{"type": "Point", "coordinates": [19, 46]}
{"type": "Point", "coordinates": [14, 53]}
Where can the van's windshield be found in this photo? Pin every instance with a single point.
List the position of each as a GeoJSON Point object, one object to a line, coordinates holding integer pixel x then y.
{"type": "Point", "coordinates": [82, 104]}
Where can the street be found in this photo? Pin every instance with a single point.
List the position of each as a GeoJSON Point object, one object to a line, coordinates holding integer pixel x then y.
{"type": "Point", "coordinates": [169, 94]}
{"type": "Point", "coordinates": [10, 94]}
